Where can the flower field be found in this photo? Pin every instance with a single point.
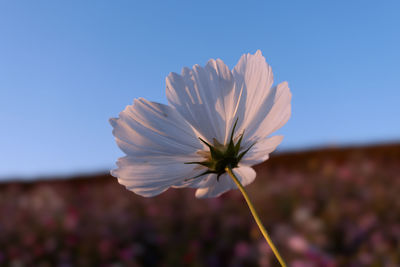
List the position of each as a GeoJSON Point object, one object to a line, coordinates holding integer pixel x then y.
{"type": "Point", "coordinates": [326, 207]}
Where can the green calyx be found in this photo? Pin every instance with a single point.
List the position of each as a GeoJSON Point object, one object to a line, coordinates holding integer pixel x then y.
{"type": "Point", "coordinates": [221, 156]}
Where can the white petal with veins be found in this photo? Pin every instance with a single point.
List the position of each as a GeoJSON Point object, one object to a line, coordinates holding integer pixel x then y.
{"type": "Point", "coordinates": [149, 127]}
{"type": "Point", "coordinates": [274, 113]}
{"type": "Point", "coordinates": [204, 97]}
{"type": "Point", "coordinates": [254, 76]}
{"type": "Point", "coordinates": [261, 150]}
{"type": "Point", "coordinates": [245, 175]}
{"type": "Point", "coordinates": [152, 176]}
{"type": "Point", "coordinates": [158, 142]}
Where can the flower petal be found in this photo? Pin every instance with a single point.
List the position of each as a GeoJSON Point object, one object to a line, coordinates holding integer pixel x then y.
{"type": "Point", "coordinates": [158, 142]}
{"type": "Point", "coordinates": [273, 114]}
{"type": "Point", "coordinates": [261, 150]}
{"type": "Point", "coordinates": [205, 97]}
{"type": "Point", "coordinates": [254, 77]}
{"type": "Point", "coordinates": [199, 182]}
{"type": "Point", "coordinates": [152, 176]}
{"type": "Point", "coordinates": [245, 174]}
{"type": "Point", "coordinates": [151, 128]}
{"type": "Point", "coordinates": [263, 109]}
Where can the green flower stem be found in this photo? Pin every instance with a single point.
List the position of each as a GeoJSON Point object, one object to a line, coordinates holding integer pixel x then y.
{"type": "Point", "coordinates": [255, 215]}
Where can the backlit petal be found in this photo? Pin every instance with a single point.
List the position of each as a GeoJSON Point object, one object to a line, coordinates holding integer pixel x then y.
{"type": "Point", "coordinates": [273, 114]}
{"type": "Point", "coordinates": [158, 142]}
{"type": "Point", "coordinates": [205, 97]}
{"type": "Point", "coordinates": [261, 150]}
{"type": "Point", "coordinates": [245, 174]}
{"type": "Point", "coordinates": [253, 76]}
{"type": "Point", "coordinates": [148, 127]}
{"type": "Point", "coordinates": [151, 176]}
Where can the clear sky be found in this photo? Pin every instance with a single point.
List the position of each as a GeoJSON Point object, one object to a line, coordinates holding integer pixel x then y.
{"type": "Point", "coordinates": [68, 66]}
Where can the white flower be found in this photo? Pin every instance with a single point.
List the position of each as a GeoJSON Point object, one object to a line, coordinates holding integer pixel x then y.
{"type": "Point", "coordinates": [169, 145]}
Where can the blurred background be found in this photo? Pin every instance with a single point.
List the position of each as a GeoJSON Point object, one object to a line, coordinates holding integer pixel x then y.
{"type": "Point", "coordinates": [329, 195]}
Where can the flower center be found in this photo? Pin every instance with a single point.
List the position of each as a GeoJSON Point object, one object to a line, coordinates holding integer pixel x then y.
{"type": "Point", "coordinates": [221, 156]}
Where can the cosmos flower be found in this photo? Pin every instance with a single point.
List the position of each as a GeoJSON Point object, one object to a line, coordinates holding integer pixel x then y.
{"type": "Point", "coordinates": [215, 118]}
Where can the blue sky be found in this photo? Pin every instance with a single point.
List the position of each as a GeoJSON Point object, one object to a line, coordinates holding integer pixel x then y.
{"type": "Point", "coordinates": [68, 66]}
